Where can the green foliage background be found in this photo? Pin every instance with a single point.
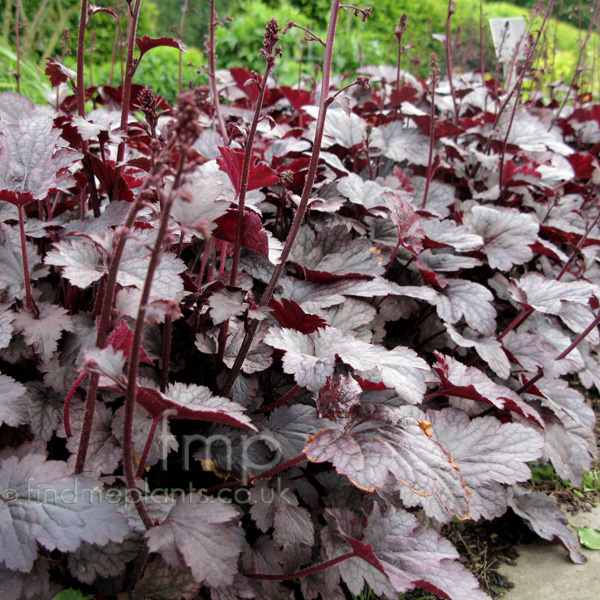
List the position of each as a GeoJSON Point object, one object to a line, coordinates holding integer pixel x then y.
{"type": "Point", "coordinates": [239, 41]}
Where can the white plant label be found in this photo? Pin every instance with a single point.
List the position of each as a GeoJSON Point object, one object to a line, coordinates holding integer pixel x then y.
{"type": "Point", "coordinates": [510, 38]}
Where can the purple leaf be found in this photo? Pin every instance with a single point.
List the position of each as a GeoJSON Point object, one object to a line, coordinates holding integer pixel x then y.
{"type": "Point", "coordinates": [258, 358]}
{"type": "Point", "coordinates": [226, 303]}
{"type": "Point", "coordinates": [121, 338]}
{"type": "Point", "coordinates": [562, 399]}
{"type": "Point", "coordinates": [14, 404]}
{"type": "Point", "coordinates": [489, 349]}
{"type": "Point", "coordinates": [16, 585]}
{"type": "Point", "coordinates": [470, 383]}
{"type": "Point", "coordinates": [334, 254]}
{"type": "Point", "coordinates": [408, 223]}
{"type": "Point", "coordinates": [311, 359]}
{"type": "Point", "coordinates": [381, 444]}
{"type": "Point", "coordinates": [486, 452]}
{"type": "Point", "coordinates": [92, 10]}
{"type": "Point", "coordinates": [364, 193]}
{"type": "Point", "coordinates": [53, 507]}
{"type": "Point", "coordinates": [240, 589]}
{"type": "Point", "coordinates": [337, 398]}
{"type": "Point", "coordinates": [291, 426]}
{"type": "Point", "coordinates": [409, 555]}
{"type": "Point", "coordinates": [200, 537]}
{"type": "Point", "coordinates": [255, 235]}
{"type": "Point", "coordinates": [401, 143]}
{"type": "Point", "coordinates": [13, 108]}
{"type": "Point", "coordinates": [547, 295]}
{"type": "Point", "coordinates": [82, 261]}
{"type": "Point", "coordinates": [197, 402]}
{"type": "Point", "coordinates": [44, 330]}
{"type": "Point", "coordinates": [460, 298]}
{"type": "Point", "coordinates": [260, 175]}
{"type": "Point", "coordinates": [146, 43]}
{"type": "Point", "coordinates": [58, 73]}
{"type": "Point", "coordinates": [448, 234]}
{"type": "Point", "coordinates": [544, 515]}
{"type": "Point", "coordinates": [290, 315]}
{"type": "Point", "coordinates": [292, 524]}
{"type": "Point", "coordinates": [90, 561]}
{"type": "Point", "coordinates": [507, 235]}
{"type": "Point", "coordinates": [341, 129]}
{"type": "Point", "coordinates": [30, 162]}
{"type": "Point", "coordinates": [529, 350]}
{"type": "Point", "coordinates": [170, 583]}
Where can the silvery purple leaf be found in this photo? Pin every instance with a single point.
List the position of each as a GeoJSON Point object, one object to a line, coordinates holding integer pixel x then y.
{"type": "Point", "coordinates": [544, 515]}
{"type": "Point", "coordinates": [30, 160]}
{"type": "Point", "coordinates": [334, 254]}
{"type": "Point", "coordinates": [470, 383]}
{"type": "Point", "coordinates": [200, 537]}
{"type": "Point", "coordinates": [409, 554]}
{"type": "Point", "coordinates": [43, 331]}
{"type": "Point", "coordinates": [486, 452]}
{"type": "Point", "coordinates": [311, 359]}
{"type": "Point", "coordinates": [402, 143]}
{"type": "Point", "coordinates": [489, 349]}
{"type": "Point", "coordinates": [507, 235]}
{"type": "Point", "coordinates": [14, 403]}
{"type": "Point", "coordinates": [382, 444]}
{"type": "Point", "coordinates": [547, 295]}
{"type": "Point", "coordinates": [163, 582]}
{"type": "Point", "coordinates": [48, 505]}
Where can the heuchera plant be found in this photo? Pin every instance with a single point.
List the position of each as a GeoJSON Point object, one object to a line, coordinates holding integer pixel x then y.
{"type": "Point", "coordinates": [287, 336]}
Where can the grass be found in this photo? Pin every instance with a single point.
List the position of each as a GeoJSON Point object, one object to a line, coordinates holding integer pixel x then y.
{"type": "Point", "coordinates": [33, 80]}
{"type": "Point", "coordinates": [545, 478]}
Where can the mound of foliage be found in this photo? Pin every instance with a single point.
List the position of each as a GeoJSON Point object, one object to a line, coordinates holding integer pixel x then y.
{"type": "Point", "coordinates": [274, 345]}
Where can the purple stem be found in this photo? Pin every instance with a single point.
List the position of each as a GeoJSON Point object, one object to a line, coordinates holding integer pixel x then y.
{"type": "Point", "coordinates": [126, 98]}
{"type": "Point", "coordinates": [288, 464]}
{"type": "Point", "coordinates": [184, 10]}
{"type": "Point", "coordinates": [431, 142]}
{"type": "Point", "coordinates": [68, 400]}
{"type": "Point", "coordinates": [304, 572]}
{"type": "Point", "coordinates": [103, 330]}
{"type": "Point", "coordinates": [562, 355]}
{"type": "Point", "coordinates": [136, 346]}
{"type": "Point", "coordinates": [31, 306]}
{"type": "Point", "coordinates": [144, 457]}
{"type": "Point", "coordinates": [212, 71]}
{"type": "Point", "coordinates": [281, 400]}
{"type": "Point", "coordinates": [449, 63]}
{"type": "Point", "coordinates": [303, 205]}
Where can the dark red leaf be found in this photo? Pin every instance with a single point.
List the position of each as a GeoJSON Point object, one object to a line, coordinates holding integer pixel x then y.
{"type": "Point", "coordinates": [146, 43]}
{"type": "Point", "coordinates": [406, 93]}
{"type": "Point", "coordinates": [290, 315]}
{"type": "Point", "coordinates": [232, 162]}
{"type": "Point", "coordinates": [568, 237]}
{"type": "Point", "coordinates": [440, 128]}
{"type": "Point", "coordinates": [121, 338]}
{"type": "Point", "coordinates": [297, 98]}
{"type": "Point", "coordinates": [255, 237]}
{"type": "Point", "coordinates": [58, 73]}
{"type": "Point", "coordinates": [16, 198]}
{"type": "Point", "coordinates": [583, 164]}
{"type": "Point", "coordinates": [244, 80]}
